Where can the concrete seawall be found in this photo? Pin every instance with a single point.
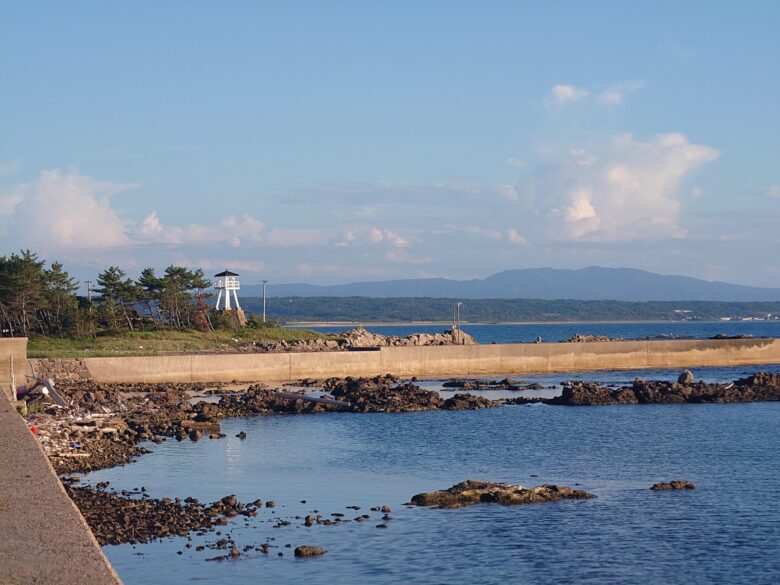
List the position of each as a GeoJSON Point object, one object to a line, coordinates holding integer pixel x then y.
{"type": "Point", "coordinates": [437, 361]}
{"type": "Point", "coordinates": [12, 349]}
{"type": "Point", "coordinates": [44, 536]}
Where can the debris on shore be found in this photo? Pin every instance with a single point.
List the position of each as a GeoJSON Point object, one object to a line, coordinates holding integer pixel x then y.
{"type": "Point", "coordinates": [678, 484]}
{"type": "Point", "coordinates": [483, 492]}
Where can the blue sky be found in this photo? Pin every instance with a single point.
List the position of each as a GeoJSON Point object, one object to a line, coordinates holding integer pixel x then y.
{"type": "Point", "coordinates": [329, 142]}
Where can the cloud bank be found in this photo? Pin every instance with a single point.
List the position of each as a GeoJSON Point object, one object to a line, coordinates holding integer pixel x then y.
{"type": "Point", "coordinates": [625, 190]}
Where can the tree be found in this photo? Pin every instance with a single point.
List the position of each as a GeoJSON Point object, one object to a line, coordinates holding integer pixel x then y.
{"type": "Point", "coordinates": [151, 290]}
{"type": "Point", "coordinates": [176, 297]}
{"type": "Point", "coordinates": [118, 291]}
{"type": "Point", "coordinates": [22, 287]}
{"type": "Point", "coordinates": [61, 296]}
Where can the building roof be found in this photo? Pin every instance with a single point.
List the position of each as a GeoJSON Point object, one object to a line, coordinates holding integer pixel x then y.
{"type": "Point", "coordinates": [226, 273]}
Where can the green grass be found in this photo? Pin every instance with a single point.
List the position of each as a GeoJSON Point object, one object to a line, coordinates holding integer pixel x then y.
{"type": "Point", "coordinates": [160, 342]}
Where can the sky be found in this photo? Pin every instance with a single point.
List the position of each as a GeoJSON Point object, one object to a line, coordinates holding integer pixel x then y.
{"type": "Point", "coordinates": [330, 142]}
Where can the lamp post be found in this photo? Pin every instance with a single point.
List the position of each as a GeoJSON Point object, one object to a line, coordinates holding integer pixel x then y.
{"type": "Point", "coordinates": [456, 321]}
{"type": "Point", "coordinates": [265, 282]}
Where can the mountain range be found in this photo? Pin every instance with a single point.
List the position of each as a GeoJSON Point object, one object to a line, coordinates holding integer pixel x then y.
{"type": "Point", "coordinates": [593, 283]}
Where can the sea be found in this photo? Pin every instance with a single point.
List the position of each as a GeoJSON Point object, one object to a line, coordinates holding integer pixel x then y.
{"type": "Point", "coordinates": [528, 332]}
{"type": "Point", "coordinates": [727, 530]}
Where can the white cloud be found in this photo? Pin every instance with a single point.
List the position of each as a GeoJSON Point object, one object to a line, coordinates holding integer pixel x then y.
{"type": "Point", "coordinates": [229, 230]}
{"type": "Point", "coordinates": [626, 191]}
{"type": "Point", "coordinates": [377, 235]}
{"type": "Point", "coordinates": [563, 93]}
{"type": "Point", "coordinates": [288, 237]}
{"type": "Point", "coordinates": [580, 213]}
{"type": "Point", "coordinates": [507, 192]}
{"type": "Point", "coordinates": [405, 257]}
{"type": "Point", "coordinates": [611, 95]}
{"type": "Point", "coordinates": [514, 236]}
{"type": "Point", "coordinates": [515, 162]}
{"type": "Point", "coordinates": [67, 211]}
{"type": "Point", "coordinates": [697, 192]}
{"type": "Point", "coordinates": [491, 234]}
{"type": "Point", "coordinates": [226, 263]}
{"type": "Point", "coordinates": [366, 200]}
{"type": "Point", "coordinates": [8, 203]}
{"type": "Point", "coordinates": [615, 93]}
{"type": "Point", "coordinates": [347, 238]}
{"type": "Point", "coordinates": [582, 157]}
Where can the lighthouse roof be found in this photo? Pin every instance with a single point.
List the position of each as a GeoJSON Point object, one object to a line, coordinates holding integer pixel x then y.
{"type": "Point", "coordinates": [226, 273]}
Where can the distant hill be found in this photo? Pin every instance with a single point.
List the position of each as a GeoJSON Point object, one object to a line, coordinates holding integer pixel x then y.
{"type": "Point", "coordinates": [594, 283]}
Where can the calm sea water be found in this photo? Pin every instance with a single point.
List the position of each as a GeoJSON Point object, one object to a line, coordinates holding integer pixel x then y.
{"type": "Point", "coordinates": [725, 531]}
{"type": "Point", "coordinates": [488, 333]}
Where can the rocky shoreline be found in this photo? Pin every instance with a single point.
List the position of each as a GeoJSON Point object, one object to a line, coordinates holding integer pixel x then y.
{"type": "Point", "coordinates": [134, 517]}
{"type": "Point", "coordinates": [360, 338]}
{"type": "Point", "coordinates": [759, 387]}
{"type": "Point", "coordinates": [106, 425]}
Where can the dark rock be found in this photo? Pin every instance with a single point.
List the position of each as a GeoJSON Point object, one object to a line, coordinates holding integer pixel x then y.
{"type": "Point", "coordinates": [477, 492]}
{"type": "Point", "coordinates": [685, 378]}
{"type": "Point", "coordinates": [309, 551]}
{"type": "Point", "coordinates": [117, 519]}
{"type": "Point", "coordinates": [673, 485]}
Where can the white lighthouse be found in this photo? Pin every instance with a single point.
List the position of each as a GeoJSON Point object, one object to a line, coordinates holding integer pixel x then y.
{"type": "Point", "coordinates": [227, 282]}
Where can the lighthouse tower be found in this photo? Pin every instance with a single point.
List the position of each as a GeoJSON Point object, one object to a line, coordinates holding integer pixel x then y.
{"type": "Point", "coordinates": [227, 282]}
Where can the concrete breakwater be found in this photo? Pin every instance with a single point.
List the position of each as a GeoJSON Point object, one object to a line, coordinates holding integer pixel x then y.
{"type": "Point", "coordinates": [45, 538]}
{"type": "Point", "coordinates": [436, 361]}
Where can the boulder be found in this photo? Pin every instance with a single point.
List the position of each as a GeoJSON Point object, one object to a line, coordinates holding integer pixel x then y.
{"type": "Point", "coordinates": [685, 378]}
{"type": "Point", "coordinates": [481, 492]}
{"type": "Point", "coordinates": [673, 485]}
{"type": "Point", "coordinates": [309, 551]}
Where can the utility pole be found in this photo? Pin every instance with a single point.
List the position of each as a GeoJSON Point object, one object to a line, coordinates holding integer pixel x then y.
{"type": "Point", "coordinates": [264, 283]}
{"type": "Point", "coordinates": [89, 300]}
{"type": "Point", "coordinates": [456, 321]}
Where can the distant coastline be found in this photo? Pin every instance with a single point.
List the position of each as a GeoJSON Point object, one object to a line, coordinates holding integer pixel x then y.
{"type": "Point", "coordinates": [351, 324]}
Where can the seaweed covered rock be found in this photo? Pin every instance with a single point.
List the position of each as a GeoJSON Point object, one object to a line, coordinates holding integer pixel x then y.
{"type": "Point", "coordinates": [383, 394]}
{"type": "Point", "coordinates": [386, 394]}
{"type": "Point", "coordinates": [678, 484]}
{"type": "Point", "coordinates": [309, 551]}
{"type": "Point", "coordinates": [591, 394]}
{"type": "Point", "coordinates": [760, 387]}
{"type": "Point", "coordinates": [469, 402]}
{"type": "Point", "coordinates": [481, 492]}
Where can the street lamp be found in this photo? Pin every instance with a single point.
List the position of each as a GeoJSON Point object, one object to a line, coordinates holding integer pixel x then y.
{"type": "Point", "coordinates": [456, 321]}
